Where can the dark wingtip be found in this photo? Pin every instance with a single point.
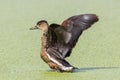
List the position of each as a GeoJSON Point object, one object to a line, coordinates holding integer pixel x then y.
{"type": "Point", "coordinates": [90, 18]}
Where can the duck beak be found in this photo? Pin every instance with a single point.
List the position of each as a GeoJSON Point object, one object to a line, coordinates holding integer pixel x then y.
{"type": "Point", "coordinates": [34, 28]}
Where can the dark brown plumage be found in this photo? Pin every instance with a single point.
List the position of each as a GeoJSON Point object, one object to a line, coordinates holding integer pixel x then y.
{"type": "Point", "coordinates": [59, 40]}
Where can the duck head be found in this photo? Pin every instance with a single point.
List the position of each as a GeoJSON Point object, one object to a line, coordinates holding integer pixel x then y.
{"type": "Point", "coordinates": [42, 25]}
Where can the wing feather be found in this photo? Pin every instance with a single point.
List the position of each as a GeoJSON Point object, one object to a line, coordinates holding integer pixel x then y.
{"type": "Point", "coordinates": [68, 33]}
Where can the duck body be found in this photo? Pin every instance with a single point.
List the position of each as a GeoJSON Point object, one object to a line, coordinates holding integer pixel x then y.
{"type": "Point", "coordinates": [59, 40]}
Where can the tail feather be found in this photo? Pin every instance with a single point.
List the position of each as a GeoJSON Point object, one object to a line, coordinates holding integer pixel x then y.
{"type": "Point", "coordinates": [57, 58]}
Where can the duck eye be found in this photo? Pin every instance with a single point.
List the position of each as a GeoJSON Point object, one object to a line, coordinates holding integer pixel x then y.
{"type": "Point", "coordinates": [39, 24]}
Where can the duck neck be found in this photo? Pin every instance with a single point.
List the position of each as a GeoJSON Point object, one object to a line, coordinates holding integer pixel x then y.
{"type": "Point", "coordinates": [44, 39]}
{"type": "Point", "coordinates": [45, 31]}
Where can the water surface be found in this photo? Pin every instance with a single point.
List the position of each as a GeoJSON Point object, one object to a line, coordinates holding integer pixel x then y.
{"type": "Point", "coordinates": [97, 52]}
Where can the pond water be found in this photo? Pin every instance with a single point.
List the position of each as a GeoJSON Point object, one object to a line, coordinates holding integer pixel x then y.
{"type": "Point", "coordinates": [97, 52]}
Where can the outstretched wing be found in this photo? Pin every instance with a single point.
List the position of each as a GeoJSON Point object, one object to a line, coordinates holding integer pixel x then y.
{"type": "Point", "coordinates": [68, 33]}
{"type": "Point", "coordinates": [77, 24]}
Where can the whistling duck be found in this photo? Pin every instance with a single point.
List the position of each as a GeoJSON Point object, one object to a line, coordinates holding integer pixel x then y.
{"type": "Point", "coordinates": [59, 40]}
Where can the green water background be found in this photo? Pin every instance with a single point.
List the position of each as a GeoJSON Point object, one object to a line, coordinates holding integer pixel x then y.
{"type": "Point", "coordinates": [97, 52]}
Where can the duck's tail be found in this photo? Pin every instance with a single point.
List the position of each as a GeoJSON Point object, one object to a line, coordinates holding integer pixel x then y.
{"type": "Point", "coordinates": [62, 64]}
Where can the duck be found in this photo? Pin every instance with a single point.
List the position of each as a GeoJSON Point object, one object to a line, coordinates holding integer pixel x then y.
{"type": "Point", "coordinates": [58, 40]}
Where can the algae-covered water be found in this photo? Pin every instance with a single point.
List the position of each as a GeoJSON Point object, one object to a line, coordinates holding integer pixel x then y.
{"type": "Point", "coordinates": [97, 52]}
